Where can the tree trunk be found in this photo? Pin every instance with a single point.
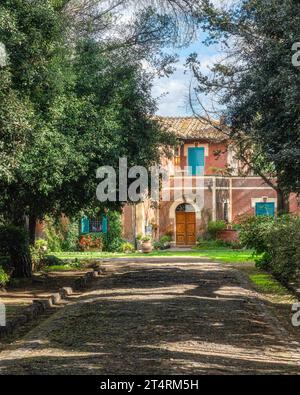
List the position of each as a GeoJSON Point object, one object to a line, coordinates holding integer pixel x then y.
{"type": "Point", "coordinates": [283, 202]}
{"type": "Point", "coordinates": [20, 257]}
{"type": "Point", "coordinates": [22, 265]}
{"type": "Point", "coordinates": [32, 229]}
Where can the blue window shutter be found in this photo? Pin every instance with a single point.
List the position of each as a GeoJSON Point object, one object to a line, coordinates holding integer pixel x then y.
{"type": "Point", "coordinates": [265, 209]}
{"type": "Point", "coordinates": [196, 161]}
{"type": "Point", "coordinates": [85, 225]}
{"type": "Point", "coordinates": [105, 225]}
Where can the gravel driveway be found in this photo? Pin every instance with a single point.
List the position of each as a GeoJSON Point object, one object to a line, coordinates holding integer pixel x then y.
{"type": "Point", "coordinates": [176, 317]}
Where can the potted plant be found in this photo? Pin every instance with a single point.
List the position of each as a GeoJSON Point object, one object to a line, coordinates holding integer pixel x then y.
{"type": "Point", "coordinates": [146, 244]}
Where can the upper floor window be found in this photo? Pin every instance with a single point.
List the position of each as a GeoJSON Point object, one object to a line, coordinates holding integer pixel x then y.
{"type": "Point", "coordinates": [265, 209]}
{"type": "Point", "coordinates": [196, 161]}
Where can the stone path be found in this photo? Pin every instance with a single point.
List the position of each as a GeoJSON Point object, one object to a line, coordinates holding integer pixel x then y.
{"type": "Point", "coordinates": [176, 317]}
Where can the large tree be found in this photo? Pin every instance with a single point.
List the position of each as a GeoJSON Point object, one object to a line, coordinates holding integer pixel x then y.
{"type": "Point", "coordinates": [258, 85]}
{"type": "Point", "coordinates": [73, 104]}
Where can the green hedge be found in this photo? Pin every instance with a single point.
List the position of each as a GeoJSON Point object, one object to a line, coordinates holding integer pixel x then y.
{"type": "Point", "coordinates": [112, 241]}
{"type": "Point", "coordinates": [277, 244]}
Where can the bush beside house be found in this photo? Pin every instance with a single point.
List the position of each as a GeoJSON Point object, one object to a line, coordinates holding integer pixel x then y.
{"type": "Point", "coordinates": [276, 242]}
{"type": "Point", "coordinates": [164, 243]}
{"type": "Point", "coordinates": [213, 228]}
{"type": "Point", "coordinates": [62, 235]}
{"type": "Point", "coordinates": [112, 240]}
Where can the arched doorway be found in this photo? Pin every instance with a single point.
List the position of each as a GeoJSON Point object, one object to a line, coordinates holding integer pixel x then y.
{"type": "Point", "coordinates": [185, 225]}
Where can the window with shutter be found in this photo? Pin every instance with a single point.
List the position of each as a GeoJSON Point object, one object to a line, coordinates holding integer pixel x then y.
{"type": "Point", "coordinates": [196, 161]}
{"type": "Point", "coordinates": [265, 209]}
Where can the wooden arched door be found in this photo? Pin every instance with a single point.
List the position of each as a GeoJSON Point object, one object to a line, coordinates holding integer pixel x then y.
{"type": "Point", "coordinates": [185, 225]}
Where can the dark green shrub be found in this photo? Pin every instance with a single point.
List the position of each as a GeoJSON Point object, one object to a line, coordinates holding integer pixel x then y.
{"type": "Point", "coordinates": [254, 233]}
{"type": "Point", "coordinates": [70, 236]}
{"type": "Point", "coordinates": [276, 242]}
{"type": "Point", "coordinates": [113, 241]}
{"type": "Point", "coordinates": [14, 243]}
{"type": "Point", "coordinates": [157, 246]}
{"type": "Point", "coordinates": [166, 239]}
{"type": "Point", "coordinates": [51, 260]}
{"type": "Point", "coordinates": [61, 236]}
{"type": "Point", "coordinates": [12, 239]}
{"type": "Point", "coordinates": [283, 248]}
{"type": "Point", "coordinates": [53, 235]}
{"type": "Point", "coordinates": [203, 243]}
{"type": "Point", "coordinates": [214, 227]}
{"type": "Point", "coordinates": [164, 243]}
{"type": "Point", "coordinates": [5, 262]}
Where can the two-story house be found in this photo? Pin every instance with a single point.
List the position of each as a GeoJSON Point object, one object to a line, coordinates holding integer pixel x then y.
{"type": "Point", "coordinates": [199, 166]}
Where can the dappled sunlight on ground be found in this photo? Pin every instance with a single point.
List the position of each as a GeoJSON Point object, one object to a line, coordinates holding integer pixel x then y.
{"type": "Point", "coordinates": [167, 318]}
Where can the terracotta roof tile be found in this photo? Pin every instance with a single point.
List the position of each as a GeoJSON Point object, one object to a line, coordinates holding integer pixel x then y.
{"type": "Point", "coordinates": [192, 128]}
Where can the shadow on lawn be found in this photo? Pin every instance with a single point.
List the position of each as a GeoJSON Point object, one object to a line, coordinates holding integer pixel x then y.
{"type": "Point", "coordinates": [157, 320]}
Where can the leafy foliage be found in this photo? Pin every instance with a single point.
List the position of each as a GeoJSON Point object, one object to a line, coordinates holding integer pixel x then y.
{"type": "Point", "coordinates": [14, 243]}
{"type": "Point", "coordinates": [127, 248]}
{"type": "Point", "coordinates": [258, 85]}
{"type": "Point", "coordinates": [52, 260]}
{"type": "Point", "coordinates": [278, 240]}
{"type": "Point", "coordinates": [214, 227]}
{"type": "Point", "coordinates": [113, 239]}
{"type": "Point", "coordinates": [254, 232]}
{"type": "Point", "coordinates": [13, 240]}
{"type": "Point", "coordinates": [4, 277]}
{"type": "Point", "coordinates": [72, 101]}
{"type": "Point", "coordinates": [164, 243]}
{"type": "Point", "coordinates": [38, 254]}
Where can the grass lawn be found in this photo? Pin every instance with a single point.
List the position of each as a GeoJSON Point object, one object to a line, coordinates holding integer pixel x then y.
{"type": "Point", "coordinates": [220, 254]}
{"type": "Point", "coordinates": [272, 290]}
{"type": "Point", "coordinates": [266, 283]}
{"type": "Point", "coordinates": [67, 267]}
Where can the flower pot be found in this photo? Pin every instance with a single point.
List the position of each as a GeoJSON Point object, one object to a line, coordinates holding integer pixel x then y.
{"type": "Point", "coordinates": [147, 247]}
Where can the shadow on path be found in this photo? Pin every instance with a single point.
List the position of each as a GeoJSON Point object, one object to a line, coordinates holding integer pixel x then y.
{"type": "Point", "coordinates": [158, 319]}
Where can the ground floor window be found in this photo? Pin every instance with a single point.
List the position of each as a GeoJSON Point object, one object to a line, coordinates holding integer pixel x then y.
{"type": "Point", "coordinates": [265, 209]}
{"type": "Point", "coordinates": [94, 225]}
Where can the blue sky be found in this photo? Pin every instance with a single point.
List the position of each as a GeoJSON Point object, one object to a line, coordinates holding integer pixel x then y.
{"type": "Point", "coordinates": [175, 89]}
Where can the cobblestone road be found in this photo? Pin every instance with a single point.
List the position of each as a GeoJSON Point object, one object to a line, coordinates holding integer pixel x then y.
{"type": "Point", "coordinates": [159, 318]}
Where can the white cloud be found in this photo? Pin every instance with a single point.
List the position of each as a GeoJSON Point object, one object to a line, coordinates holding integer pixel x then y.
{"type": "Point", "coordinates": [174, 91]}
